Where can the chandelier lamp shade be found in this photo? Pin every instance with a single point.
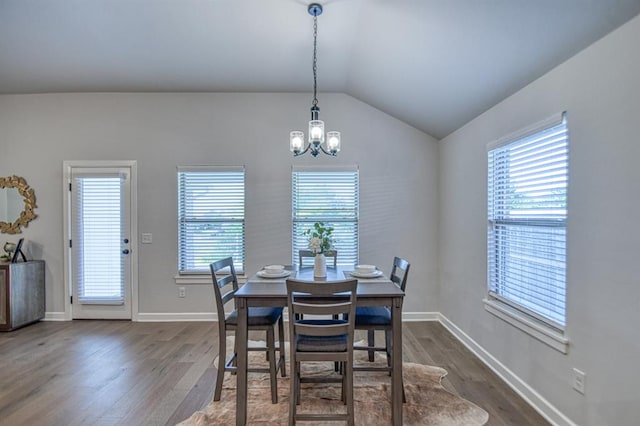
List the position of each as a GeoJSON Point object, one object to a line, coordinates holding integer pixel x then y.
{"type": "Point", "coordinates": [317, 140]}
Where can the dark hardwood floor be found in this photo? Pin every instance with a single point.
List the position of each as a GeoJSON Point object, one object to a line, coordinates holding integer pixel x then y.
{"type": "Point", "coordinates": [126, 373]}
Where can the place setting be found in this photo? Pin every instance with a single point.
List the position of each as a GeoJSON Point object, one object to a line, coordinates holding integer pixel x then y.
{"type": "Point", "coordinates": [365, 271]}
{"type": "Point", "coordinates": [274, 272]}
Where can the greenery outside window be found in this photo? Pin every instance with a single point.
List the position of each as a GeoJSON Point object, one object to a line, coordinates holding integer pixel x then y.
{"type": "Point", "coordinates": [211, 203]}
{"type": "Point", "coordinates": [329, 195]}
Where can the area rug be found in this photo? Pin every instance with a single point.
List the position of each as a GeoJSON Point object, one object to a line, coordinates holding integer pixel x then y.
{"type": "Point", "coordinates": [428, 402]}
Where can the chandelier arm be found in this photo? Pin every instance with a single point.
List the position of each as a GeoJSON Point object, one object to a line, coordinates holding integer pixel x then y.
{"type": "Point", "coordinates": [326, 152]}
{"type": "Point", "coordinates": [302, 152]}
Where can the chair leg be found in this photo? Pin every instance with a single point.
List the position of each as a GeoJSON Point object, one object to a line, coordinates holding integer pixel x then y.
{"type": "Point", "coordinates": [371, 342]}
{"type": "Point", "coordinates": [343, 391]}
{"type": "Point", "coordinates": [349, 391]}
{"type": "Point", "coordinates": [336, 365]}
{"type": "Point", "coordinates": [292, 394]}
{"type": "Point", "coordinates": [222, 355]}
{"type": "Point", "coordinates": [273, 372]}
{"type": "Point", "coordinates": [298, 382]}
{"type": "Point", "coordinates": [283, 363]}
{"type": "Point", "coordinates": [388, 341]}
{"type": "Point", "coordinates": [235, 359]}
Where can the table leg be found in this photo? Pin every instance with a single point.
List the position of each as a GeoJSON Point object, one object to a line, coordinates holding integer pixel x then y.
{"type": "Point", "coordinates": [242, 362]}
{"type": "Point", "coordinates": [396, 379]}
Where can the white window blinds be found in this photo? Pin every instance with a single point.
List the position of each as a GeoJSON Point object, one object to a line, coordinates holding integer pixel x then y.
{"type": "Point", "coordinates": [527, 212]}
{"type": "Point", "coordinates": [210, 217]}
{"type": "Point", "coordinates": [97, 238]}
{"type": "Point", "coordinates": [330, 196]}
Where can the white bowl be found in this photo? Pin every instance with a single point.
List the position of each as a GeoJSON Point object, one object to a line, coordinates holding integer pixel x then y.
{"type": "Point", "coordinates": [365, 269]}
{"type": "Point", "coordinates": [274, 269]}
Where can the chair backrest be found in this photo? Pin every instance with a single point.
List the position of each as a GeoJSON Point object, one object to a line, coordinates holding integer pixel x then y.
{"type": "Point", "coordinates": [223, 273]}
{"type": "Point", "coordinates": [325, 299]}
{"type": "Point", "coordinates": [302, 254]}
{"type": "Point", "coordinates": [400, 272]}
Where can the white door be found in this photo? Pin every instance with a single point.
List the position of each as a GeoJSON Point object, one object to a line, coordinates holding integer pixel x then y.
{"type": "Point", "coordinates": [100, 246]}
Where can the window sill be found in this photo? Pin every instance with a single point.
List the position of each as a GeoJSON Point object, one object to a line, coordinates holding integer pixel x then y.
{"type": "Point", "coordinates": [200, 279]}
{"type": "Point", "coordinates": [534, 328]}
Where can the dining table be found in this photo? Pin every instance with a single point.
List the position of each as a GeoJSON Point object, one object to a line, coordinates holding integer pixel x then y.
{"type": "Point", "coordinates": [272, 292]}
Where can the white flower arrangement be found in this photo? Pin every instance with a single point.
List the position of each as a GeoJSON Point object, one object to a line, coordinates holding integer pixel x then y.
{"type": "Point", "coordinates": [320, 238]}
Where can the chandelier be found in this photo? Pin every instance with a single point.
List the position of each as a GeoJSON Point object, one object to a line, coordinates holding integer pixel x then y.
{"type": "Point", "coordinates": [317, 141]}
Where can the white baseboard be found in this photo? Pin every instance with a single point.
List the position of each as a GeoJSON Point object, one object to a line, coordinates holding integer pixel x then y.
{"type": "Point", "coordinates": [55, 316]}
{"type": "Point", "coordinates": [177, 317]}
{"type": "Point", "coordinates": [533, 398]}
{"type": "Point", "coordinates": [149, 317]}
{"type": "Point", "coordinates": [211, 316]}
{"type": "Point", "coordinates": [420, 316]}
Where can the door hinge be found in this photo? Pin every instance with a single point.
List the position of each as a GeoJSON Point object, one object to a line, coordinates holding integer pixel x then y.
{"type": "Point", "coordinates": [72, 300]}
{"type": "Point", "coordinates": [69, 186]}
{"type": "Point", "coordinates": [70, 244]}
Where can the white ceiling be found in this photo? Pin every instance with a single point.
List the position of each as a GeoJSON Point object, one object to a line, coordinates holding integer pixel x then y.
{"type": "Point", "coordinates": [434, 64]}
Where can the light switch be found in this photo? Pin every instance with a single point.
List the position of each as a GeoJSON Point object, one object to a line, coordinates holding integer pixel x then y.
{"type": "Point", "coordinates": [147, 238]}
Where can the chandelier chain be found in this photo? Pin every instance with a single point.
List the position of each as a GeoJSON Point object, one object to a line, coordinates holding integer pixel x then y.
{"type": "Point", "coordinates": [319, 142]}
{"type": "Point", "coordinates": [315, 60]}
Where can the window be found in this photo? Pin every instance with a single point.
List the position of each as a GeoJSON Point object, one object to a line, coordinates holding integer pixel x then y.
{"type": "Point", "coordinates": [527, 213]}
{"type": "Point", "coordinates": [328, 195]}
{"type": "Point", "coordinates": [210, 217]}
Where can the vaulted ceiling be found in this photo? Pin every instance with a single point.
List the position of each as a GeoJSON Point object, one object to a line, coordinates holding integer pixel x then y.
{"type": "Point", "coordinates": [434, 64]}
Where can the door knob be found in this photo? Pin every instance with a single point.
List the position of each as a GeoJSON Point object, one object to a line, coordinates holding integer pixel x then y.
{"type": "Point", "coordinates": [125, 251]}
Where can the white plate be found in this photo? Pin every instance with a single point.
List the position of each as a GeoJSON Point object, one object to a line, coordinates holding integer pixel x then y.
{"type": "Point", "coordinates": [374, 274]}
{"type": "Point", "coordinates": [273, 269]}
{"type": "Point", "coordinates": [265, 274]}
{"type": "Point", "coordinates": [365, 269]}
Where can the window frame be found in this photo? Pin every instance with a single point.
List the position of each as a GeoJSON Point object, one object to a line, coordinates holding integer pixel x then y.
{"type": "Point", "coordinates": [345, 216]}
{"type": "Point", "coordinates": [540, 325]}
{"type": "Point", "coordinates": [229, 219]}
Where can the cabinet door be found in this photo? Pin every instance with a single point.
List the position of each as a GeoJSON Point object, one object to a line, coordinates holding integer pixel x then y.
{"type": "Point", "coordinates": [4, 296]}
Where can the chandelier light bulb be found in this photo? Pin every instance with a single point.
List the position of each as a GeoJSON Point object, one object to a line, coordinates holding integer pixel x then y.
{"type": "Point", "coordinates": [296, 141]}
{"type": "Point", "coordinates": [333, 141]}
{"type": "Point", "coordinates": [316, 131]}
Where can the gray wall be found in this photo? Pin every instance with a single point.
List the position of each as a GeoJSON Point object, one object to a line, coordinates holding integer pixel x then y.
{"type": "Point", "coordinates": [402, 176]}
{"type": "Point", "coordinates": [599, 89]}
{"type": "Point", "coordinates": [398, 176]}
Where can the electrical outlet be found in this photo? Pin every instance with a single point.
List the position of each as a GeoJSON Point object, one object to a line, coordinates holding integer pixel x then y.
{"type": "Point", "coordinates": [182, 292]}
{"type": "Point", "coordinates": [579, 380]}
{"type": "Point", "coordinates": [147, 238]}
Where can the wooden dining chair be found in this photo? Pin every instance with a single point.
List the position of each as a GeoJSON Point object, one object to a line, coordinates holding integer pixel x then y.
{"type": "Point", "coordinates": [303, 254]}
{"type": "Point", "coordinates": [259, 318]}
{"type": "Point", "coordinates": [379, 317]}
{"type": "Point", "coordinates": [322, 338]}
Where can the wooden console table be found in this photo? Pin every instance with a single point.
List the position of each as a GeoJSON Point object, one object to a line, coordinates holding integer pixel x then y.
{"type": "Point", "coordinates": [21, 294]}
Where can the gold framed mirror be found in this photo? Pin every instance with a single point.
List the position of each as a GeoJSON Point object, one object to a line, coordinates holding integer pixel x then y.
{"type": "Point", "coordinates": [17, 202]}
